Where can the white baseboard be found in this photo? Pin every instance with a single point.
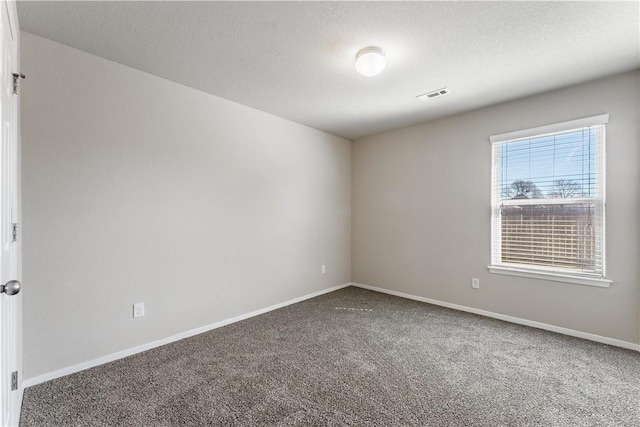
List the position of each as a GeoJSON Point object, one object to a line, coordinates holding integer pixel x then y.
{"type": "Point", "coordinates": [144, 347]}
{"type": "Point", "coordinates": [532, 323]}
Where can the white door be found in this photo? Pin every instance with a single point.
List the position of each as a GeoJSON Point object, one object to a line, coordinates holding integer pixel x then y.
{"type": "Point", "coordinates": [9, 251]}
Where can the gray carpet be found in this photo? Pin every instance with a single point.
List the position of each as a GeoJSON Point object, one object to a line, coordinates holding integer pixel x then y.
{"type": "Point", "coordinates": [354, 357]}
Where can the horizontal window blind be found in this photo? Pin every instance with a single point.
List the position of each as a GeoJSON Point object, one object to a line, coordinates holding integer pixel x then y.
{"type": "Point", "coordinates": [548, 201]}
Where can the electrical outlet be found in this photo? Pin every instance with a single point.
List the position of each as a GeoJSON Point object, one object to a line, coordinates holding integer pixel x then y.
{"type": "Point", "coordinates": [475, 283]}
{"type": "Point", "coordinates": [138, 310]}
{"type": "Point", "coordinates": [323, 269]}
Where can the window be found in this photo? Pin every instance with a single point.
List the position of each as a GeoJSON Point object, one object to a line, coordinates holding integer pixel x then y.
{"type": "Point", "coordinates": [548, 202]}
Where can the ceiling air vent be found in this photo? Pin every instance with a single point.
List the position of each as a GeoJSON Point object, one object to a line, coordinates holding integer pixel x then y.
{"type": "Point", "coordinates": [434, 94]}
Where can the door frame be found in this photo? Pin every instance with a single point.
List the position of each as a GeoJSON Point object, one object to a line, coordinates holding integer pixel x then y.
{"type": "Point", "coordinates": [15, 397]}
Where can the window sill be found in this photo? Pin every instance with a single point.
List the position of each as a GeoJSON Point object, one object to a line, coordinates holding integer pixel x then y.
{"type": "Point", "coordinates": [556, 277]}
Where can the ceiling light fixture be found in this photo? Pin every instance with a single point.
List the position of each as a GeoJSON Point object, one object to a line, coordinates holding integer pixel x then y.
{"type": "Point", "coordinates": [370, 61]}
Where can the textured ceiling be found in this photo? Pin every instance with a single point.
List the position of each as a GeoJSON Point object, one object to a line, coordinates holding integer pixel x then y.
{"type": "Point", "coordinates": [296, 59]}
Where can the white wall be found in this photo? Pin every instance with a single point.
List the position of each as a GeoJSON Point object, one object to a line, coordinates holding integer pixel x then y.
{"type": "Point", "coordinates": [137, 189]}
{"type": "Point", "coordinates": [421, 211]}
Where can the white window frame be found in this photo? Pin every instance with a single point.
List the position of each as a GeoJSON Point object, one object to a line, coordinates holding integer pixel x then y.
{"type": "Point", "coordinates": [541, 272]}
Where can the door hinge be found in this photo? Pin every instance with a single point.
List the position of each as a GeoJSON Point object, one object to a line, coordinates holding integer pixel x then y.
{"type": "Point", "coordinates": [14, 380]}
{"type": "Point", "coordinates": [17, 76]}
{"type": "Point", "coordinates": [14, 232]}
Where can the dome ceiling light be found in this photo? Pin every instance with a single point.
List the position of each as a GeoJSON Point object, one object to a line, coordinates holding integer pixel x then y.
{"type": "Point", "coordinates": [370, 61]}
